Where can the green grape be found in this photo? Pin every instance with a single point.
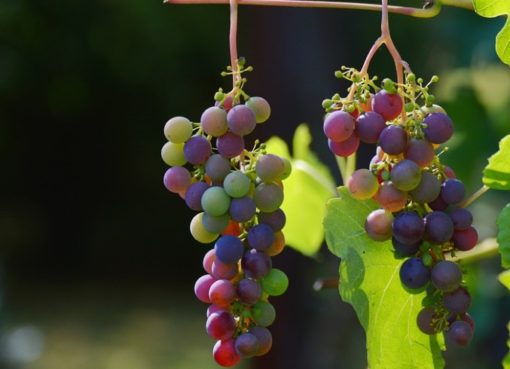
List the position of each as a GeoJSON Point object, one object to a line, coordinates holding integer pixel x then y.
{"type": "Point", "coordinates": [173, 154]}
{"type": "Point", "coordinates": [275, 283]}
{"type": "Point", "coordinates": [260, 107]}
{"type": "Point", "coordinates": [263, 313]}
{"type": "Point", "coordinates": [215, 201]}
{"type": "Point", "coordinates": [268, 197]}
{"type": "Point", "coordinates": [362, 184]}
{"type": "Point", "coordinates": [237, 184]}
{"type": "Point", "coordinates": [198, 231]}
{"type": "Point", "coordinates": [287, 168]}
{"type": "Point", "coordinates": [215, 224]}
{"type": "Point", "coordinates": [178, 130]}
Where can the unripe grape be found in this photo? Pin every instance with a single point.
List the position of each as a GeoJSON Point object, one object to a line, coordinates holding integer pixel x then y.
{"type": "Point", "coordinates": [362, 184]}
{"type": "Point", "coordinates": [339, 126]}
{"type": "Point", "coordinates": [378, 225]}
{"type": "Point", "coordinates": [173, 154]}
{"type": "Point", "coordinates": [177, 179]}
{"type": "Point", "coordinates": [260, 108]}
{"type": "Point", "coordinates": [215, 201]}
{"type": "Point", "coordinates": [178, 129]}
{"type": "Point", "coordinates": [428, 189]}
{"type": "Point", "coordinates": [269, 167]}
{"type": "Point", "coordinates": [214, 121]}
{"type": "Point", "coordinates": [268, 197]}
{"type": "Point", "coordinates": [217, 167]}
{"type": "Point", "coordinates": [236, 184]}
{"type": "Point", "coordinates": [263, 313]}
{"type": "Point", "coordinates": [198, 231]}
{"type": "Point", "coordinates": [275, 283]}
{"type": "Point", "coordinates": [390, 197]}
{"type": "Point", "coordinates": [406, 175]}
{"type": "Point", "coordinates": [215, 224]}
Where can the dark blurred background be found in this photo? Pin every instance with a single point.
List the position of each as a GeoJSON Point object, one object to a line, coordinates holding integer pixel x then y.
{"type": "Point", "coordinates": [96, 261]}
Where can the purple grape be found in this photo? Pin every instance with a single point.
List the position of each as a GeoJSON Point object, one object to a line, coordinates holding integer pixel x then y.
{"type": "Point", "coordinates": [421, 152]}
{"type": "Point", "coordinates": [177, 179]}
{"type": "Point", "coordinates": [344, 148]}
{"type": "Point", "coordinates": [378, 225]}
{"type": "Point", "coordinates": [438, 227]}
{"type": "Point", "coordinates": [387, 104]}
{"type": "Point", "coordinates": [247, 345]}
{"type": "Point", "coordinates": [202, 287]}
{"type": "Point", "coordinates": [428, 189]}
{"type": "Point", "coordinates": [439, 128]}
{"type": "Point", "coordinates": [268, 197]}
{"type": "Point", "coordinates": [446, 276]}
{"type": "Point", "coordinates": [220, 325]}
{"type": "Point", "coordinates": [438, 204]}
{"type": "Point", "coordinates": [260, 237]}
{"type": "Point", "coordinates": [458, 301]}
{"type": "Point", "coordinates": [269, 167]}
{"type": "Point", "coordinates": [217, 167]}
{"type": "Point", "coordinates": [241, 120]}
{"type": "Point", "coordinates": [229, 249]}
{"type": "Point", "coordinates": [339, 126]}
{"type": "Point", "coordinates": [222, 293]}
{"type": "Point", "coordinates": [465, 239]}
{"type": "Point", "coordinates": [276, 219]}
{"type": "Point", "coordinates": [224, 353]}
{"type": "Point", "coordinates": [264, 337]}
{"type": "Point", "coordinates": [221, 270]}
{"type": "Point", "coordinates": [209, 260]}
{"type": "Point", "coordinates": [211, 309]}
{"type": "Point", "coordinates": [256, 264]}
{"type": "Point", "coordinates": [242, 210]}
{"type": "Point", "coordinates": [214, 121]}
{"type": "Point", "coordinates": [452, 191]}
{"type": "Point", "coordinates": [393, 140]}
{"type": "Point", "coordinates": [414, 274]}
{"type": "Point", "coordinates": [461, 218]}
{"type": "Point", "coordinates": [406, 175]}
{"type": "Point", "coordinates": [369, 127]}
{"type": "Point", "coordinates": [426, 319]}
{"type": "Point", "coordinates": [408, 228]}
{"type": "Point", "coordinates": [390, 197]}
{"type": "Point", "coordinates": [403, 250]}
{"type": "Point", "coordinates": [197, 150]}
{"type": "Point", "coordinates": [249, 291]}
{"type": "Point", "coordinates": [194, 194]}
{"type": "Point", "coordinates": [230, 145]}
{"type": "Point", "coordinates": [459, 334]}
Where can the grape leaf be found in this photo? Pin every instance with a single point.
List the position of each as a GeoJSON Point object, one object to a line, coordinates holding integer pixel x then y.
{"type": "Point", "coordinates": [369, 281]}
{"type": "Point", "coordinates": [496, 174]}
{"type": "Point", "coordinates": [491, 9]}
{"type": "Point", "coordinates": [504, 278]}
{"type": "Point", "coordinates": [307, 189]}
{"type": "Point", "coordinates": [504, 236]}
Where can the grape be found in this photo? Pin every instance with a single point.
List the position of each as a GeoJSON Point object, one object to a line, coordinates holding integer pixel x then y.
{"type": "Point", "coordinates": [263, 313]}
{"type": "Point", "coordinates": [178, 129]}
{"type": "Point", "coordinates": [408, 228]}
{"type": "Point", "coordinates": [275, 283]}
{"type": "Point", "coordinates": [276, 219]}
{"type": "Point", "coordinates": [198, 231]}
{"type": "Point", "coordinates": [208, 261]}
{"type": "Point", "coordinates": [369, 127]}
{"type": "Point", "coordinates": [414, 274]}
{"type": "Point", "coordinates": [173, 154]}
{"type": "Point", "coordinates": [241, 120]}
{"type": "Point", "coordinates": [215, 201]}
{"type": "Point", "coordinates": [230, 145]}
{"type": "Point", "coordinates": [220, 325]}
{"type": "Point", "coordinates": [211, 309]}
{"type": "Point", "coordinates": [428, 189]}
{"type": "Point", "coordinates": [362, 184]}
{"type": "Point", "coordinates": [264, 337]}
{"type": "Point", "coordinates": [452, 191]}
{"type": "Point", "coordinates": [260, 108]}
{"type": "Point", "coordinates": [465, 239]}
{"type": "Point", "coordinates": [421, 152]}
{"type": "Point", "coordinates": [439, 128]}
{"type": "Point", "coordinates": [460, 333]}
{"type": "Point", "coordinates": [378, 225]}
{"type": "Point", "coordinates": [339, 126]}
{"type": "Point", "coordinates": [197, 150]}
{"type": "Point", "coordinates": [425, 320]}
{"type": "Point", "coordinates": [446, 276]}
{"type": "Point", "coordinates": [393, 140]}
{"type": "Point", "coordinates": [247, 345]}
{"type": "Point", "coordinates": [387, 104]}
{"type": "Point", "coordinates": [366, 103]}
{"type": "Point", "coordinates": [215, 224]}
{"type": "Point", "coordinates": [221, 270]}
{"type": "Point", "coordinates": [214, 121]}
{"type": "Point", "coordinates": [222, 293]}
{"type": "Point", "coordinates": [468, 319]}
{"type": "Point", "coordinates": [461, 218]}
{"type": "Point", "coordinates": [249, 291]}
{"type": "Point", "coordinates": [390, 197]}
{"type": "Point", "coordinates": [269, 167]}
{"type": "Point", "coordinates": [406, 175]}
{"type": "Point", "coordinates": [287, 169]}
{"type": "Point", "coordinates": [237, 184]}
{"type": "Point", "coordinates": [449, 172]}
{"type": "Point", "coordinates": [458, 301]}
{"type": "Point", "coordinates": [438, 227]}
{"type": "Point", "coordinates": [344, 148]}
{"type": "Point", "coordinates": [242, 210]}
{"type": "Point", "coordinates": [233, 229]}
{"type": "Point", "coordinates": [278, 244]}
{"type": "Point", "coordinates": [403, 250]}
{"type": "Point", "coordinates": [229, 249]}
{"type": "Point", "coordinates": [217, 167]}
{"type": "Point", "coordinates": [438, 204]}
{"type": "Point", "coordinates": [260, 237]}
{"type": "Point", "coordinates": [256, 264]}
{"type": "Point", "coordinates": [268, 197]}
{"type": "Point", "coordinates": [202, 287]}
{"type": "Point", "coordinates": [194, 194]}
{"type": "Point", "coordinates": [177, 179]}
{"type": "Point", "coordinates": [226, 103]}
{"type": "Point", "coordinates": [225, 354]}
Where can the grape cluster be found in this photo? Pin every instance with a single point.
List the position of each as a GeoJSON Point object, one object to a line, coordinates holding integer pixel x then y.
{"type": "Point", "coordinates": [420, 198]}
{"type": "Point", "coordinates": [237, 194]}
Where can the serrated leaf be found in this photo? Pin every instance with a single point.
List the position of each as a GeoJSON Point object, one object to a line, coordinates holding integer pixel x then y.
{"type": "Point", "coordinates": [491, 9]}
{"type": "Point", "coordinates": [496, 174]}
{"type": "Point", "coordinates": [504, 278]}
{"type": "Point", "coordinates": [370, 282]}
{"type": "Point", "coordinates": [307, 189]}
{"type": "Point", "coordinates": [504, 236]}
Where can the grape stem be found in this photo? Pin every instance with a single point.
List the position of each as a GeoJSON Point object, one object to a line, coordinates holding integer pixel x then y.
{"type": "Point", "coordinates": [233, 43]}
{"type": "Point", "coordinates": [474, 196]}
{"type": "Point", "coordinates": [484, 250]}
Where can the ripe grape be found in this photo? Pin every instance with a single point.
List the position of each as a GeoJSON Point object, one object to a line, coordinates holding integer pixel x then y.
{"type": "Point", "coordinates": [339, 126]}
{"type": "Point", "coordinates": [414, 274]}
{"type": "Point", "coordinates": [268, 197]}
{"type": "Point", "coordinates": [241, 120]}
{"type": "Point", "coordinates": [264, 337]}
{"type": "Point", "coordinates": [260, 237]}
{"type": "Point", "coordinates": [177, 179]}
{"type": "Point", "coordinates": [387, 104]}
{"type": "Point", "coordinates": [256, 264]}
{"type": "Point", "coordinates": [421, 152]}
{"type": "Point", "coordinates": [369, 127]}
{"type": "Point", "coordinates": [393, 140]}
{"type": "Point", "coordinates": [198, 231]}
{"type": "Point", "coordinates": [217, 167]}
{"type": "Point", "coordinates": [438, 227]}
{"type": "Point", "coordinates": [408, 228]}
{"type": "Point", "coordinates": [242, 210]}
{"type": "Point", "coordinates": [178, 129]}
{"type": "Point", "coordinates": [344, 148]}
{"type": "Point", "coordinates": [269, 167]}
{"type": "Point", "coordinates": [275, 283]}
{"type": "Point", "coordinates": [214, 121]}
{"type": "Point", "coordinates": [202, 287]}
{"type": "Point", "coordinates": [229, 249]}
{"type": "Point", "coordinates": [362, 184]}
{"type": "Point", "coordinates": [439, 128]}
{"type": "Point", "coordinates": [458, 301]}
{"type": "Point", "coordinates": [276, 219]}
{"type": "Point", "coordinates": [461, 218]}
{"type": "Point", "coordinates": [215, 201]}
{"type": "Point", "coordinates": [222, 293]}
{"type": "Point", "coordinates": [197, 150]}
{"type": "Point", "coordinates": [249, 291]}
{"type": "Point", "coordinates": [237, 184]}
{"type": "Point", "coordinates": [425, 320]}
{"type": "Point", "coordinates": [247, 345]}
{"type": "Point", "coordinates": [225, 354]}
{"type": "Point", "coordinates": [230, 145]}
{"type": "Point", "coordinates": [211, 309]}
{"type": "Point", "coordinates": [428, 189]}
{"type": "Point", "coordinates": [406, 175]}
{"type": "Point", "coordinates": [173, 154]}
{"type": "Point", "coordinates": [220, 325]}
{"type": "Point", "coordinates": [465, 239]}
{"type": "Point", "coordinates": [194, 195]}
{"type": "Point", "coordinates": [278, 244]}
{"type": "Point", "coordinates": [438, 204]}
{"type": "Point", "coordinates": [403, 250]}
{"type": "Point", "coordinates": [378, 225]}
{"type": "Point", "coordinates": [215, 224]}
{"type": "Point", "coordinates": [390, 197]}
{"type": "Point", "coordinates": [446, 276]}
{"type": "Point", "coordinates": [208, 260]}
{"type": "Point", "coordinates": [220, 270]}
{"type": "Point", "coordinates": [452, 191]}
{"type": "Point", "coordinates": [263, 313]}
{"type": "Point", "coordinates": [260, 108]}
{"type": "Point", "coordinates": [460, 333]}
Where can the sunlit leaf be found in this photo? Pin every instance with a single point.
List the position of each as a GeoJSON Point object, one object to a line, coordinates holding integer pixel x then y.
{"type": "Point", "coordinates": [491, 9]}
{"type": "Point", "coordinates": [496, 174]}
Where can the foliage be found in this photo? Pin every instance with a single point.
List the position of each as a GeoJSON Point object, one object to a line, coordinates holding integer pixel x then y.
{"type": "Point", "coordinates": [496, 174]}
{"type": "Point", "coordinates": [494, 8]}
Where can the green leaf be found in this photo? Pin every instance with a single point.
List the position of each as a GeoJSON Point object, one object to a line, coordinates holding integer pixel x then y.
{"type": "Point", "coordinates": [307, 189]}
{"type": "Point", "coordinates": [504, 236]}
{"type": "Point", "coordinates": [496, 174]}
{"type": "Point", "coordinates": [504, 278]}
{"type": "Point", "coordinates": [369, 281]}
{"type": "Point", "coordinates": [491, 9]}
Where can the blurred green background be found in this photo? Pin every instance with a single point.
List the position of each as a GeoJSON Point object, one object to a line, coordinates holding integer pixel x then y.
{"type": "Point", "coordinates": [97, 265]}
